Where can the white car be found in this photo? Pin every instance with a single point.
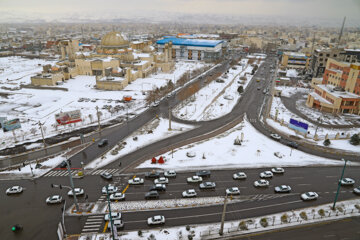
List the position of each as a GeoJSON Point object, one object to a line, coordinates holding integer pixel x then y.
{"type": "Point", "coordinates": [114, 216]}
{"type": "Point", "coordinates": [194, 179]}
{"type": "Point", "coordinates": [277, 170]}
{"type": "Point", "coordinates": [14, 190]}
{"type": "Point", "coordinates": [111, 189]}
{"type": "Point", "coordinates": [266, 174]}
{"type": "Point", "coordinates": [136, 181]}
{"type": "Point", "coordinates": [282, 189]}
{"type": "Point", "coordinates": [170, 173]}
{"type": "Point", "coordinates": [119, 224]}
{"type": "Point", "coordinates": [275, 136]}
{"type": "Point", "coordinates": [156, 220]}
{"type": "Point", "coordinates": [189, 193]}
{"type": "Point", "coordinates": [261, 183]}
{"type": "Point", "coordinates": [357, 190]}
{"type": "Point", "coordinates": [309, 196]}
{"type": "Point", "coordinates": [54, 199]}
{"type": "Point", "coordinates": [117, 196]}
{"type": "Point", "coordinates": [233, 191]}
{"type": "Point", "coordinates": [162, 180]}
{"type": "Point", "coordinates": [239, 175]}
{"type": "Point", "coordinates": [78, 191]}
{"type": "Point", "coordinates": [347, 182]}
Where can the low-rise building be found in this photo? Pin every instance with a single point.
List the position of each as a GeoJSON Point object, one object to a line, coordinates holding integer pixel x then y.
{"type": "Point", "coordinates": [295, 60]}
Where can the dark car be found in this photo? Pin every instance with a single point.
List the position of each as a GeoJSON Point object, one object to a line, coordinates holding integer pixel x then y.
{"type": "Point", "coordinates": [102, 142]}
{"type": "Point", "coordinates": [292, 144]}
{"type": "Point", "coordinates": [203, 173]}
{"type": "Point", "coordinates": [106, 175]}
{"type": "Point", "coordinates": [63, 164]}
{"type": "Point", "coordinates": [158, 187]}
{"type": "Point", "coordinates": [152, 174]}
{"type": "Point", "coordinates": [152, 195]}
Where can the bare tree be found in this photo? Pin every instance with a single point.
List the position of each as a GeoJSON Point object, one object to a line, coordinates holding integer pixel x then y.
{"type": "Point", "coordinates": [33, 131]}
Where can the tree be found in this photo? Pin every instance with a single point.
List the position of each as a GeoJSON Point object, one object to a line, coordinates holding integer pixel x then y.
{"type": "Point", "coordinates": [240, 89]}
{"type": "Point", "coordinates": [355, 139]}
{"type": "Point", "coordinates": [91, 118]}
{"type": "Point", "coordinates": [33, 131]}
{"type": "Point", "coordinates": [326, 142]}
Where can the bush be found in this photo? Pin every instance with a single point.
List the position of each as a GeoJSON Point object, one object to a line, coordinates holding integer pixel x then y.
{"type": "Point", "coordinates": [187, 228]}
{"type": "Point", "coordinates": [240, 89]}
{"type": "Point", "coordinates": [355, 139]}
{"type": "Point", "coordinates": [321, 212]}
{"type": "Point", "coordinates": [139, 233]}
{"type": "Point", "coordinates": [190, 237]}
{"type": "Point", "coordinates": [340, 209]}
{"type": "Point", "coordinates": [326, 142]}
{"type": "Point", "coordinates": [264, 222]}
{"type": "Point", "coordinates": [243, 225]}
{"type": "Point", "coordinates": [284, 218]}
{"type": "Point", "coordinates": [357, 206]}
{"type": "Point", "coordinates": [303, 215]}
{"type": "Point", "coordinates": [151, 237]}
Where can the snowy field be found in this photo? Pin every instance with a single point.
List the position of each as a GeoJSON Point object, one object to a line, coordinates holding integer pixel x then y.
{"type": "Point", "coordinates": [34, 105]}
{"type": "Point", "coordinates": [256, 151]}
{"type": "Point", "coordinates": [217, 98]}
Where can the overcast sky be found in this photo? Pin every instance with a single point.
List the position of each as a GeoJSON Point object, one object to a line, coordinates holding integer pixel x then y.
{"type": "Point", "coordinates": [334, 9]}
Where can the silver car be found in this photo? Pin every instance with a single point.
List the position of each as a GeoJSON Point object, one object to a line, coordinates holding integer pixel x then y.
{"type": "Point", "coordinates": [189, 193]}
{"type": "Point", "coordinates": [266, 174]}
{"type": "Point", "coordinates": [54, 199]}
{"type": "Point", "coordinates": [239, 175]}
{"type": "Point", "coordinates": [283, 189]}
{"type": "Point", "coordinates": [233, 191]}
{"type": "Point", "coordinates": [347, 182]}
{"type": "Point", "coordinates": [207, 185]}
{"type": "Point", "coordinates": [14, 190]}
{"type": "Point", "coordinates": [117, 196]}
{"type": "Point", "coordinates": [309, 196]}
{"type": "Point", "coordinates": [156, 220]}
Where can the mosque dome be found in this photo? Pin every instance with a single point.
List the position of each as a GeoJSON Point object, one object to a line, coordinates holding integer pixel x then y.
{"type": "Point", "coordinates": [114, 40]}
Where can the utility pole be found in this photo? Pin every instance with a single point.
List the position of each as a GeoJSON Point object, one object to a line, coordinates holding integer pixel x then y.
{"type": "Point", "coordinates": [339, 185]}
{"type": "Point", "coordinates": [170, 119]}
{"type": "Point", "coordinates": [319, 122]}
{"type": "Point", "coordinates": [98, 117]}
{"type": "Point", "coordinates": [221, 232]}
{"type": "Point", "coordinates": [63, 217]}
{"type": "Point", "coordinates": [72, 186]}
{"type": "Point", "coordinates": [109, 206]}
{"type": "Point", "coordinates": [42, 133]}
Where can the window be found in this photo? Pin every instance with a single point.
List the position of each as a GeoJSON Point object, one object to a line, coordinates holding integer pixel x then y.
{"type": "Point", "coordinates": [320, 54]}
{"type": "Point", "coordinates": [335, 55]}
{"type": "Point", "coordinates": [320, 59]}
{"type": "Point", "coordinates": [328, 55]}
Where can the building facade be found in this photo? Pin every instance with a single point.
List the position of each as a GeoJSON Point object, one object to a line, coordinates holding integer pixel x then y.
{"type": "Point", "coordinates": [291, 60]}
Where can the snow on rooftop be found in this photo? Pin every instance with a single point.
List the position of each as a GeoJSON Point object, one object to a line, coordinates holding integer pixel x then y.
{"type": "Point", "coordinates": [190, 42]}
{"type": "Point", "coordinates": [340, 94]}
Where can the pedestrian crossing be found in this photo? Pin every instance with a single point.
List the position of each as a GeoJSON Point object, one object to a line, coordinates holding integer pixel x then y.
{"type": "Point", "coordinates": [62, 173]}
{"type": "Point", "coordinates": [93, 224]}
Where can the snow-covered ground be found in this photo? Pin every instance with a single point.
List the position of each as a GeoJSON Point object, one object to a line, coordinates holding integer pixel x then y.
{"type": "Point", "coordinates": [159, 130]}
{"type": "Point", "coordinates": [256, 151]}
{"type": "Point", "coordinates": [217, 98]}
{"type": "Point", "coordinates": [34, 105]}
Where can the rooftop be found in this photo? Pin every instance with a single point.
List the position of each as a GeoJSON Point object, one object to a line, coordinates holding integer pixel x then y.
{"type": "Point", "coordinates": [339, 94]}
{"type": "Point", "coordinates": [190, 42]}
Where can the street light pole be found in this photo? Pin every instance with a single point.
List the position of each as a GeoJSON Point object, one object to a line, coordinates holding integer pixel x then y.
{"type": "Point", "coordinates": [221, 231]}
{"type": "Point", "coordinates": [109, 206]}
{"type": "Point", "coordinates": [339, 184]}
{"type": "Point", "coordinates": [98, 117]}
{"type": "Point", "coordinates": [72, 186]}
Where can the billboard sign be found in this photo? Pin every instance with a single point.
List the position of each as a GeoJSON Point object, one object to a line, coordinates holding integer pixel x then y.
{"type": "Point", "coordinates": [11, 125]}
{"type": "Point", "coordinates": [64, 118]}
{"type": "Point", "coordinates": [299, 126]}
{"type": "Point", "coordinates": [2, 119]}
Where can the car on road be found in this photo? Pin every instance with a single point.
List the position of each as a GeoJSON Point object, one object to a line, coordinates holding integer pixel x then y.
{"type": "Point", "coordinates": [14, 190]}
{"type": "Point", "coordinates": [102, 142]}
{"type": "Point", "coordinates": [347, 182]}
{"type": "Point", "coordinates": [357, 190]}
{"type": "Point", "coordinates": [275, 136]}
{"type": "Point", "coordinates": [277, 170]}
{"type": "Point", "coordinates": [158, 187]}
{"type": "Point", "coordinates": [117, 196]}
{"type": "Point", "coordinates": [114, 216]}
{"type": "Point", "coordinates": [156, 220]}
{"type": "Point", "coordinates": [162, 180]}
{"type": "Point", "coordinates": [261, 183]}
{"type": "Point", "coordinates": [266, 174]}
{"type": "Point", "coordinates": [119, 224]}
{"type": "Point", "coordinates": [282, 189]}
{"type": "Point", "coordinates": [189, 193]}
{"type": "Point", "coordinates": [207, 185]}
{"type": "Point", "coordinates": [54, 199]}
{"type": "Point", "coordinates": [152, 195]}
{"type": "Point", "coordinates": [170, 173]}
{"type": "Point", "coordinates": [239, 175]}
{"type": "Point", "coordinates": [232, 191]}
{"type": "Point", "coordinates": [111, 189]}
{"type": "Point", "coordinates": [309, 196]}
{"type": "Point", "coordinates": [136, 181]}
{"type": "Point", "coordinates": [78, 192]}
{"type": "Point", "coordinates": [155, 104]}
{"type": "Point", "coordinates": [152, 174]}
{"type": "Point", "coordinates": [203, 173]}
{"type": "Point", "coordinates": [106, 175]}
{"type": "Point", "coordinates": [258, 88]}
{"type": "Point", "coordinates": [292, 144]}
{"type": "Point", "coordinates": [63, 164]}
{"type": "Point", "coordinates": [194, 179]}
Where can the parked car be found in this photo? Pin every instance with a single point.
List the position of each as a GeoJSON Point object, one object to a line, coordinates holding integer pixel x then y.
{"type": "Point", "coordinates": [152, 174]}
{"type": "Point", "coordinates": [203, 173]}
{"type": "Point", "coordinates": [232, 191]}
{"type": "Point", "coordinates": [261, 183]}
{"type": "Point", "coordinates": [239, 175]}
{"type": "Point", "coordinates": [170, 173]}
{"type": "Point", "coordinates": [163, 180]}
{"type": "Point", "coordinates": [158, 187]}
{"type": "Point", "coordinates": [54, 199]}
{"type": "Point", "coordinates": [275, 136]}
{"type": "Point", "coordinates": [207, 185]}
{"type": "Point", "coordinates": [119, 224]}
{"type": "Point", "coordinates": [266, 174]}
{"type": "Point", "coordinates": [14, 190]}
{"type": "Point", "coordinates": [277, 170]}
{"type": "Point", "coordinates": [106, 175]}
{"type": "Point", "coordinates": [357, 190]}
{"type": "Point", "coordinates": [194, 179]}
{"type": "Point", "coordinates": [117, 196]}
{"type": "Point", "coordinates": [156, 220]}
{"type": "Point", "coordinates": [63, 164]}
{"type": "Point", "coordinates": [103, 142]}
{"type": "Point", "coordinates": [282, 189]}
{"type": "Point", "coordinates": [114, 216]}
{"type": "Point", "coordinates": [136, 181]}
{"type": "Point", "coordinates": [111, 189]}
{"type": "Point", "coordinates": [152, 195]}
{"type": "Point", "coordinates": [189, 193]}
{"type": "Point", "coordinates": [347, 182]}
{"type": "Point", "coordinates": [292, 144]}
{"type": "Point", "coordinates": [309, 196]}
{"type": "Point", "coordinates": [78, 192]}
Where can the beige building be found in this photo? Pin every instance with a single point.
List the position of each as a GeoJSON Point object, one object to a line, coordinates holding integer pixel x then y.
{"type": "Point", "coordinates": [291, 60]}
{"type": "Point", "coordinates": [48, 79]}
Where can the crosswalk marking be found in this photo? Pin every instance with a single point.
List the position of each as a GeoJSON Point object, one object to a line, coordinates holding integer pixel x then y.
{"type": "Point", "coordinates": [92, 224]}
{"type": "Point", "coordinates": [62, 173]}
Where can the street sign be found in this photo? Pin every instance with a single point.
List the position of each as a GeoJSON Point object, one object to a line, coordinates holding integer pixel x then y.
{"type": "Point", "coordinates": [11, 125]}
{"type": "Point", "coordinates": [299, 126]}
{"type": "Point", "coordinates": [64, 118]}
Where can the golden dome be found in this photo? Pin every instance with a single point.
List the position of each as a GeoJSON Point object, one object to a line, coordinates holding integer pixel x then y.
{"type": "Point", "coordinates": [114, 39]}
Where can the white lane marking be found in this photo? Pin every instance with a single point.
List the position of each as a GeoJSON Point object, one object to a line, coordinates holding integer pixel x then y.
{"type": "Point", "coordinates": [304, 184]}
{"type": "Point", "coordinates": [90, 229]}
{"type": "Point", "coordinates": [331, 176]}
{"type": "Point", "coordinates": [93, 222]}
{"type": "Point", "coordinates": [296, 177]}
{"type": "Point", "coordinates": [96, 216]}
